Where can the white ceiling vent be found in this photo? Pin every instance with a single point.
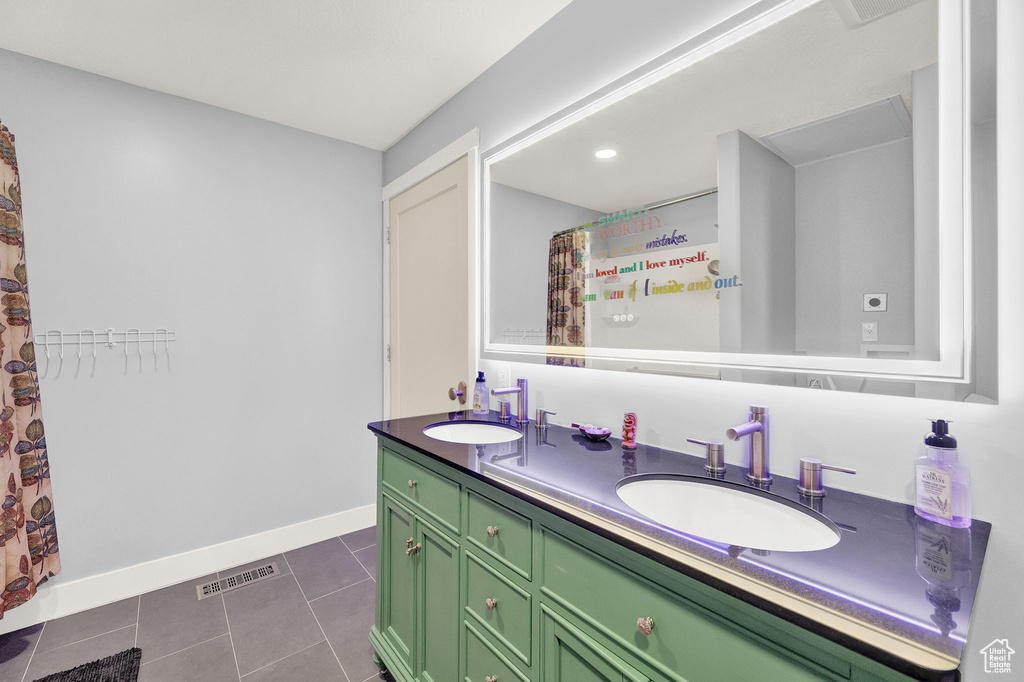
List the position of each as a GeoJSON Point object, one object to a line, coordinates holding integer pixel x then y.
{"type": "Point", "coordinates": [859, 12]}
{"type": "Point", "coordinates": [861, 128]}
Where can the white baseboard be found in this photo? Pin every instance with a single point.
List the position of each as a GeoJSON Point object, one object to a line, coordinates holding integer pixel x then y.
{"type": "Point", "coordinates": [56, 599]}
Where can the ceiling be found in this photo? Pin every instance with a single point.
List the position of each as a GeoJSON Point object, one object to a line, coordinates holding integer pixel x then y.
{"type": "Point", "coordinates": [363, 71]}
{"type": "Point", "coordinates": [807, 67]}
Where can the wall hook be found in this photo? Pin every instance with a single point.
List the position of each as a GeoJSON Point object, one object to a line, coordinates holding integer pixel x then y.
{"type": "Point", "coordinates": [46, 346]}
{"type": "Point", "coordinates": [60, 354]}
{"type": "Point", "coordinates": [162, 334]}
{"type": "Point", "coordinates": [81, 342]}
{"type": "Point", "coordinates": [128, 342]}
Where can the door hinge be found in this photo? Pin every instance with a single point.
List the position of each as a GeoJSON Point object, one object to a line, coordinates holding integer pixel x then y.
{"type": "Point", "coordinates": [387, 234]}
{"type": "Point", "coordinates": [389, 352]}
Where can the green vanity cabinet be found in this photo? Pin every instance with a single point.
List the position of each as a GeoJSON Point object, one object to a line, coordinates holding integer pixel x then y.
{"type": "Point", "coordinates": [396, 601]}
{"type": "Point", "coordinates": [478, 584]}
{"type": "Point", "coordinates": [418, 596]}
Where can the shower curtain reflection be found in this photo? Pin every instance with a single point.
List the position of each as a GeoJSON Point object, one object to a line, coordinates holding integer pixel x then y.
{"type": "Point", "coordinates": [566, 340]}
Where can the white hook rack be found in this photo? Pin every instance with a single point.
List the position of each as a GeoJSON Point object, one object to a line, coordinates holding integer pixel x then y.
{"type": "Point", "coordinates": [109, 339]}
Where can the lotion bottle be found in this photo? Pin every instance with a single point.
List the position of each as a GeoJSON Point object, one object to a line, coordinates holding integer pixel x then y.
{"type": "Point", "coordinates": [481, 397]}
{"type": "Point", "coordinates": [942, 482]}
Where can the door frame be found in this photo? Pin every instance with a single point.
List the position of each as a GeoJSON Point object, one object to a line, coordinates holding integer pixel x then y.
{"type": "Point", "coordinates": [467, 145]}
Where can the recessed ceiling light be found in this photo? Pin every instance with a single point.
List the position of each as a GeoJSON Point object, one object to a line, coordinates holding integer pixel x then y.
{"type": "Point", "coordinates": [605, 153]}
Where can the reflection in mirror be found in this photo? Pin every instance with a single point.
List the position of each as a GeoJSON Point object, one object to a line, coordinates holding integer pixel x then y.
{"type": "Point", "coordinates": [776, 197]}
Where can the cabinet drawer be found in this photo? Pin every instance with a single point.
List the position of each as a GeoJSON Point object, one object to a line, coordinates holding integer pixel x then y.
{"type": "Point", "coordinates": [569, 655]}
{"type": "Point", "coordinates": [483, 660]}
{"type": "Point", "coordinates": [431, 492]}
{"type": "Point", "coordinates": [501, 533]}
{"type": "Point", "coordinates": [509, 620]}
{"type": "Point", "coordinates": [687, 641]}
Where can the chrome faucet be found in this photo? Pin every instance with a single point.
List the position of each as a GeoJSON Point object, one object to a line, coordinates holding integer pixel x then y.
{"type": "Point", "coordinates": [521, 410]}
{"type": "Point", "coordinates": [758, 468]}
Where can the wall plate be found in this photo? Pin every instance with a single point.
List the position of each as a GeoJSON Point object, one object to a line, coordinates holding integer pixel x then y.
{"type": "Point", "coordinates": [876, 303]}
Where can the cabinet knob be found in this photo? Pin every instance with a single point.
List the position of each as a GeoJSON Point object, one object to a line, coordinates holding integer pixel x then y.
{"type": "Point", "coordinates": [492, 531]}
{"type": "Point", "coordinates": [645, 625]}
{"type": "Point", "coordinates": [412, 483]}
{"type": "Point", "coordinates": [491, 678]}
{"type": "Point", "coordinates": [408, 543]}
{"type": "Point", "coordinates": [491, 603]}
{"type": "Point", "coordinates": [415, 548]}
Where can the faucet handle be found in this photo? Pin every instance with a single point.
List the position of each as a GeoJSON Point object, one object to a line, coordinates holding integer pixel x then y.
{"type": "Point", "coordinates": [810, 482]}
{"type": "Point", "coordinates": [714, 455]}
{"type": "Point", "coordinates": [542, 417]}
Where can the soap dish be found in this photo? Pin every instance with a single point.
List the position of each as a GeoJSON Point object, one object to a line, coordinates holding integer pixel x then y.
{"type": "Point", "coordinates": [594, 433]}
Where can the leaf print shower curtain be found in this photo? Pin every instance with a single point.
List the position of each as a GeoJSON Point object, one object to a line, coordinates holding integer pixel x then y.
{"type": "Point", "coordinates": [28, 533]}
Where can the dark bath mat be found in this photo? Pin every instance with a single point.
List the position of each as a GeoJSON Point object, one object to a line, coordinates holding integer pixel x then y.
{"type": "Point", "coordinates": [122, 667]}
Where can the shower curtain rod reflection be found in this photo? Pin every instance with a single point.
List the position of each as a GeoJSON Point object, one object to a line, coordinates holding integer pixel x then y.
{"type": "Point", "coordinates": [653, 207]}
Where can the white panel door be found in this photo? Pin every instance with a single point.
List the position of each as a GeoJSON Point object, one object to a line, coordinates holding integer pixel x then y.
{"type": "Point", "coordinates": [432, 299]}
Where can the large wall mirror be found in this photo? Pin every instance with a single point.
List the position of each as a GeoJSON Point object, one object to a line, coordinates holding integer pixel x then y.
{"type": "Point", "coordinates": [803, 195]}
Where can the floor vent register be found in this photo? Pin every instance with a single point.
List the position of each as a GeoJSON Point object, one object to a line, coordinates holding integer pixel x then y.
{"type": "Point", "coordinates": [233, 582]}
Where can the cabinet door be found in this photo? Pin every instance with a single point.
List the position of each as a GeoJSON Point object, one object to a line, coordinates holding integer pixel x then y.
{"type": "Point", "coordinates": [569, 655]}
{"type": "Point", "coordinates": [397, 581]}
{"type": "Point", "coordinates": [438, 600]}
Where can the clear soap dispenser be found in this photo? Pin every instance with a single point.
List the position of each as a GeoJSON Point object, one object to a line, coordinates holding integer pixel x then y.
{"type": "Point", "coordinates": [942, 481]}
{"type": "Point", "coordinates": [481, 397]}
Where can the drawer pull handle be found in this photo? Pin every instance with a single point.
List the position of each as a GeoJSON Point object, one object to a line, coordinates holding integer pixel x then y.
{"type": "Point", "coordinates": [491, 678]}
{"type": "Point", "coordinates": [412, 483]}
{"type": "Point", "coordinates": [415, 548]}
{"type": "Point", "coordinates": [492, 531]}
{"type": "Point", "coordinates": [491, 604]}
{"type": "Point", "coordinates": [645, 625]}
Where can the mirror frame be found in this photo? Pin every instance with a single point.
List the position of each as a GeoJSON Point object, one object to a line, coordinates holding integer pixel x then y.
{"type": "Point", "coordinates": [955, 229]}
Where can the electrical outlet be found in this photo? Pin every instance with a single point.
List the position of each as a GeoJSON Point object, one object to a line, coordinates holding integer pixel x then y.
{"type": "Point", "coordinates": [504, 376]}
{"type": "Point", "coordinates": [869, 331]}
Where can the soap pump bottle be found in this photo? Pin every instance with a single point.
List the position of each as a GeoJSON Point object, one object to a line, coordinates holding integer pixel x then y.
{"type": "Point", "coordinates": [481, 397]}
{"type": "Point", "coordinates": [943, 483]}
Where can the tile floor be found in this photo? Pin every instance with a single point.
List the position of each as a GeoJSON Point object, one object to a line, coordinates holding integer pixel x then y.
{"type": "Point", "coordinates": [308, 624]}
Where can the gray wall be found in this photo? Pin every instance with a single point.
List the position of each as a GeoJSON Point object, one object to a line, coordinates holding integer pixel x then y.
{"type": "Point", "coordinates": [757, 244]}
{"type": "Point", "coordinates": [854, 236]}
{"type": "Point", "coordinates": [256, 243]}
{"type": "Point", "coordinates": [581, 49]}
{"type": "Point", "coordinates": [523, 223]}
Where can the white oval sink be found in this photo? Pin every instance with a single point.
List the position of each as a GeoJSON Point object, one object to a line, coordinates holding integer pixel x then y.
{"type": "Point", "coordinates": [481, 433]}
{"type": "Point", "coordinates": [728, 513]}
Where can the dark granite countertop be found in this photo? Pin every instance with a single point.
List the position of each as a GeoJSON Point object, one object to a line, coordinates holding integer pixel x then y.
{"type": "Point", "coordinates": [896, 588]}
